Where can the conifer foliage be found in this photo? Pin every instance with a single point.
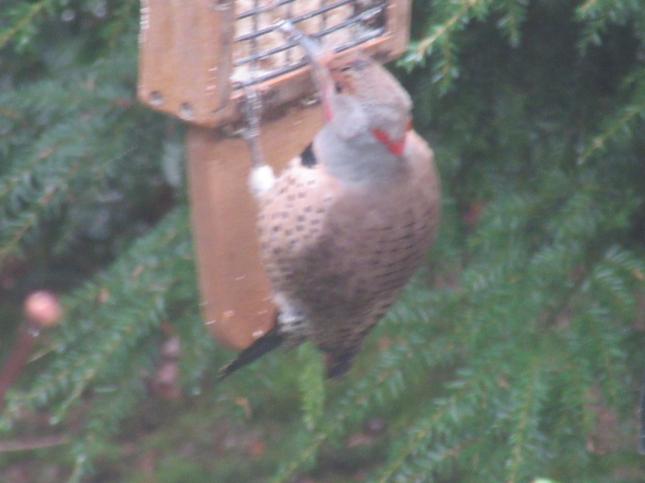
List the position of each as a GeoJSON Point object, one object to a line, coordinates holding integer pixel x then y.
{"type": "Point", "coordinates": [515, 354]}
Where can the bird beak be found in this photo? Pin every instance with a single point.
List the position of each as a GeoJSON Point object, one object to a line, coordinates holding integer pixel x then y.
{"type": "Point", "coordinates": [318, 57]}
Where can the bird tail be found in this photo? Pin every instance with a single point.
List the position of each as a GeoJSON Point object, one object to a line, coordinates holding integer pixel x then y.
{"type": "Point", "coordinates": [338, 363]}
{"type": "Point", "coordinates": [264, 344]}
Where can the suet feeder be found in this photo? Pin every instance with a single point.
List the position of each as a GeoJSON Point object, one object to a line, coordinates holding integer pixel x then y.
{"type": "Point", "coordinates": [197, 60]}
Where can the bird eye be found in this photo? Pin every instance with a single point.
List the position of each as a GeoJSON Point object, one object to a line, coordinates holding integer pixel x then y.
{"type": "Point", "coordinates": [338, 87]}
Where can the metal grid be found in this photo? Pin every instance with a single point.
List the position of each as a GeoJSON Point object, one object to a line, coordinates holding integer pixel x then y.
{"type": "Point", "coordinates": [261, 53]}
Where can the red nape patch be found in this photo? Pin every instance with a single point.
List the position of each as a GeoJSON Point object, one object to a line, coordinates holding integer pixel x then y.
{"type": "Point", "coordinates": [328, 114]}
{"type": "Point", "coordinates": [396, 147]}
{"type": "Point", "coordinates": [326, 103]}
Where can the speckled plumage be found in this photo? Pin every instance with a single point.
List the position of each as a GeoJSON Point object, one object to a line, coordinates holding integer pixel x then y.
{"type": "Point", "coordinates": [346, 224]}
{"type": "Point", "coordinates": [338, 254]}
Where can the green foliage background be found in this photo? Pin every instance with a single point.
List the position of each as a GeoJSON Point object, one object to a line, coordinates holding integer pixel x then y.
{"type": "Point", "coordinates": [516, 353]}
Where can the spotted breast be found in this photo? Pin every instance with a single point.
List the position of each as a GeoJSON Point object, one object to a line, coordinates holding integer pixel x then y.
{"type": "Point", "coordinates": [338, 254]}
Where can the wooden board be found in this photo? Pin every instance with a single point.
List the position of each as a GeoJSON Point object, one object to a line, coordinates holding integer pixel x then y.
{"type": "Point", "coordinates": [235, 292]}
{"type": "Point", "coordinates": [185, 57]}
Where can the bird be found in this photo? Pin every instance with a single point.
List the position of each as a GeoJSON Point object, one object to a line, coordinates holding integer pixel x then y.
{"type": "Point", "coordinates": [347, 223]}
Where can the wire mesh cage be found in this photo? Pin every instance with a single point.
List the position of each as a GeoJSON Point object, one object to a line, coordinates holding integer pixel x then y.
{"type": "Point", "coordinates": [196, 56]}
{"type": "Point", "coordinates": [260, 53]}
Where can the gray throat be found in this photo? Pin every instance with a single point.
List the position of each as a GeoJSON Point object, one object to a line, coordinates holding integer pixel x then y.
{"type": "Point", "coordinates": [360, 159]}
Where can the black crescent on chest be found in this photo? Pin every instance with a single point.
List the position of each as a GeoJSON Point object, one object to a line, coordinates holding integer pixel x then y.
{"type": "Point", "coordinates": [308, 157]}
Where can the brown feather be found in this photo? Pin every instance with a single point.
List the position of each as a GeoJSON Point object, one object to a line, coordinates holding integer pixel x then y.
{"type": "Point", "coordinates": [343, 251]}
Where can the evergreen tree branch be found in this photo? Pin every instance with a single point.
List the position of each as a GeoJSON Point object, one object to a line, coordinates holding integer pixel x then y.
{"type": "Point", "coordinates": [366, 393]}
{"type": "Point", "coordinates": [525, 421]}
{"type": "Point", "coordinates": [24, 21]}
{"type": "Point", "coordinates": [438, 428]}
{"type": "Point", "coordinates": [109, 411]}
{"type": "Point", "coordinates": [597, 15]}
{"type": "Point", "coordinates": [311, 381]}
{"type": "Point", "coordinates": [137, 286]}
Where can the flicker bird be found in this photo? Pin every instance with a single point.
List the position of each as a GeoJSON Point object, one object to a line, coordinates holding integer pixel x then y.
{"type": "Point", "coordinates": [347, 223]}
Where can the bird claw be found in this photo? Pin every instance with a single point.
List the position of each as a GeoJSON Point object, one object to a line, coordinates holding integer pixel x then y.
{"type": "Point", "coordinates": [286, 27]}
{"type": "Point", "coordinates": [312, 47]}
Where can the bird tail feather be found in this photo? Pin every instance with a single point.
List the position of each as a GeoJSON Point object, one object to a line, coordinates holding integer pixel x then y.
{"type": "Point", "coordinates": [264, 344]}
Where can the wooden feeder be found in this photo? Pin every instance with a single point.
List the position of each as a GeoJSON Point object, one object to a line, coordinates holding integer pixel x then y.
{"type": "Point", "coordinates": [196, 56]}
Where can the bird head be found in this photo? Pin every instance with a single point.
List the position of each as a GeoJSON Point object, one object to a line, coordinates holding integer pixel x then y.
{"type": "Point", "coordinates": [359, 96]}
{"type": "Point", "coordinates": [361, 84]}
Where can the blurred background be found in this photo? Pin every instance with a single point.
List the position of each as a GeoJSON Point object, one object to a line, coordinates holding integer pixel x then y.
{"type": "Point", "coordinates": [516, 353]}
